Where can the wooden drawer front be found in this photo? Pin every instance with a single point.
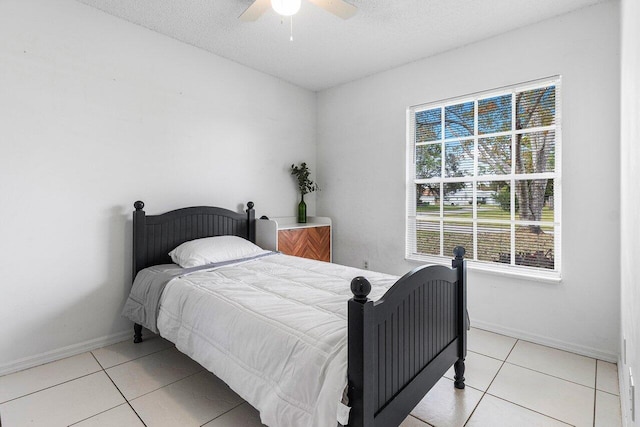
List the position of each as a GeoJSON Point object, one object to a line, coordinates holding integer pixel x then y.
{"type": "Point", "coordinates": [311, 242]}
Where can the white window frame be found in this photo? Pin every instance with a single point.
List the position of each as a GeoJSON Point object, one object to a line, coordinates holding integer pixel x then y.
{"type": "Point", "coordinates": [411, 210]}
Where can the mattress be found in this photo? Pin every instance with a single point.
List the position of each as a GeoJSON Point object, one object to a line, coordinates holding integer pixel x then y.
{"type": "Point", "coordinates": [274, 329]}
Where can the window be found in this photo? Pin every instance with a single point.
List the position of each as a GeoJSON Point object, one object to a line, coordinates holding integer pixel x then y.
{"type": "Point", "coordinates": [484, 173]}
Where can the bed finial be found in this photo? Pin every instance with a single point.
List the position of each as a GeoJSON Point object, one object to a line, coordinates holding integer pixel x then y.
{"type": "Point", "coordinates": [459, 252]}
{"type": "Point", "coordinates": [139, 205]}
{"type": "Point", "coordinates": [250, 205]}
{"type": "Point", "coordinates": [360, 287]}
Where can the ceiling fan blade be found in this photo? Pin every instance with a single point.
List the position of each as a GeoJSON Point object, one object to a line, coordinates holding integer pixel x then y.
{"type": "Point", "coordinates": [255, 11]}
{"type": "Point", "coordinates": [339, 8]}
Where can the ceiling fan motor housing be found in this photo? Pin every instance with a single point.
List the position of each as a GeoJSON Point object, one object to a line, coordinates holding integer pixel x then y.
{"type": "Point", "coordinates": [286, 7]}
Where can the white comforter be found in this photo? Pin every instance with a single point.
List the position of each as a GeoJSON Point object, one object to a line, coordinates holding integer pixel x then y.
{"type": "Point", "coordinates": [274, 329]}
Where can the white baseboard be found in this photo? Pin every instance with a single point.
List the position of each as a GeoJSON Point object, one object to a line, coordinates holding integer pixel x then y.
{"type": "Point", "coordinates": [549, 342]}
{"type": "Point", "coordinates": [61, 353]}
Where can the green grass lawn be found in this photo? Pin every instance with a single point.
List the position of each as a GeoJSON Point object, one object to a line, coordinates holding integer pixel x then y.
{"type": "Point", "coordinates": [484, 212]}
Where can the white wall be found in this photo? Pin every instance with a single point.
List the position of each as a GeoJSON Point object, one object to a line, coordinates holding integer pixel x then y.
{"type": "Point", "coordinates": [361, 160]}
{"type": "Point", "coordinates": [630, 206]}
{"type": "Point", "coordinates": [96, 113]}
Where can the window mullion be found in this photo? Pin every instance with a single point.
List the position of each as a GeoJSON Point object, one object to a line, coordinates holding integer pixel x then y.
{"type": "Point", "coordinates": [512, 195]}
{"type": "Point", "coordinates": [442, 175]}
{"type": "Point", "coordinates": [536, 129]}
{"type": "Point", "coordinates": [474, 181]}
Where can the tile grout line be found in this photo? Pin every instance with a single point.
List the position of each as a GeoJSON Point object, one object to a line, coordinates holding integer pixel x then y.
{"type": "Point", "coordinates": [608, 392]}
{"type": "Point", "coordinates": [51, 386]}
{"type": "Point", "coordinates": [412, 416]}
{"type": "Point", "coordinates": [549, 375]}
{"type": "Point", "coordinates": [119, 391]}
{"type": "Point", "coordinates": [95, 415]}
{"type": "Point", "coordinates": [529, 409]}
{"type": "Point", "coordinates": [485, 355]}
{"type": "Point", "coordinates": [452, 381]}
{"type": "Point", "coordinates": [97, 361]}
{"type": "Point", "coordinates": [484, 393]}
{"type": "Point", "coordinates": [225, 412]}
{"type": "Point", "coordinates": [166, 385]}
{"type": "Point", "coordinates": [136, 358]}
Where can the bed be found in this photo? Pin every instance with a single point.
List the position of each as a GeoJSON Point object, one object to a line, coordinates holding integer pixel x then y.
{"type": "Point", "coordinates": [403, 334]}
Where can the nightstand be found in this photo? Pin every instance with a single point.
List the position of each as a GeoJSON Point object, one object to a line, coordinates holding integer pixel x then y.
{"type": "Point", "coordinates": [309, 240]}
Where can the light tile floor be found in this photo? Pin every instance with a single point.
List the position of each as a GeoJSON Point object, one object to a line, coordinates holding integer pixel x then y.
{"type": "Point", "coordinates": [510, 382]}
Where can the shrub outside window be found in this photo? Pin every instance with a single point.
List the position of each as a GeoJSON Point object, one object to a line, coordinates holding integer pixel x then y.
{"type": "Point", "coordinates": [483, 172]}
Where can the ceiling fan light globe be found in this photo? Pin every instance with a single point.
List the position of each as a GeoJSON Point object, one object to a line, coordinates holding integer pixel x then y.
{"type": "Point", "coordinates": [286, 7]}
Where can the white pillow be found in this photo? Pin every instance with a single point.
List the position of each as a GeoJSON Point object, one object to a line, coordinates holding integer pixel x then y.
{"type": "Point", "coordinates": [212, 250]}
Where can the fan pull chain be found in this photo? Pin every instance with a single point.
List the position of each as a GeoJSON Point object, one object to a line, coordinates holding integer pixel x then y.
{"type": "Point", "coordinates": [290, 27]}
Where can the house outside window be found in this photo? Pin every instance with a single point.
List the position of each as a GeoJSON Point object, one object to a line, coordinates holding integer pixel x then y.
{"type": "Point", "coordinates": [483, 172]}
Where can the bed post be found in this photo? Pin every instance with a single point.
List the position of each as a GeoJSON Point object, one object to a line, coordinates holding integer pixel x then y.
{"type": "Point", "coordinates": [137, 333]}
{"type": "Point", "coordinates": [360, 354]}
{"type": "Point", "coordinates": [460, 264]}
{"type": "Point", "coordinates": [139, 253]}
{"type": "Point", "coordinates": [251, 223]}
{"type": "Point", "coordinates": [139, 222]}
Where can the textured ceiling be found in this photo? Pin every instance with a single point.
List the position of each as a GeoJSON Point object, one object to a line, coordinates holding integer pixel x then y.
{"type": "Point", "coordinates": [326, 50]}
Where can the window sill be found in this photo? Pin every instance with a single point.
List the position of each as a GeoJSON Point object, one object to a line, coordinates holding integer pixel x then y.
{"type": "Point", "coordinates": [501, 270]}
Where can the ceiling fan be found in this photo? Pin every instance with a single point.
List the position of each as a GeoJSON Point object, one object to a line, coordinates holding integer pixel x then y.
{"type": "Point", "coordinates": [339, 8]}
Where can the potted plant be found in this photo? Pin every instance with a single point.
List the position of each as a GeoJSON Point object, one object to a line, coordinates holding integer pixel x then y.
{"type": "Point", "coordinates": [305, 185]}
